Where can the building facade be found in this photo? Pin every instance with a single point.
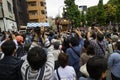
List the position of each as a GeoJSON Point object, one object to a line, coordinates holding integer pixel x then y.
{"type": "Point", "coordinates": [21, 14]}
{"type": "Point", "coordinates": [37, 10]}
{"type": "Point", "coordinates": [7, 17]}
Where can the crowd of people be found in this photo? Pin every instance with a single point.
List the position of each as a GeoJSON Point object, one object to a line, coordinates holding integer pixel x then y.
{"type": "Point", "coordinates": [65, 55]}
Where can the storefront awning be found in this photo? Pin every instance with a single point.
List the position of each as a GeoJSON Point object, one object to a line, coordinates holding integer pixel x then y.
{"type": "Point", "coordinates": [37, 24]}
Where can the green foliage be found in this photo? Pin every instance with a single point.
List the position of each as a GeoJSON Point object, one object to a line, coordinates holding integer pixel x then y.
{"type": "Point", "coordinates": [118, 13]}
{"type": "Point", "coordinates": [101, 15]}
{"type": "Point", "coordinates": [116, 3]}
{"type": "Point", "coordinates": [91, 15]}
{"type": "Point", "coordinates": [110, 11]}
{"type": "Point", "coordinates": [107, 13]}
{"type": "Point", "coordinates": [72, 12]}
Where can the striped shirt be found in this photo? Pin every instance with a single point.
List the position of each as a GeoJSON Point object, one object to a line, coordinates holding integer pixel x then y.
{"type": "Point", "coordinates": [48, 73]}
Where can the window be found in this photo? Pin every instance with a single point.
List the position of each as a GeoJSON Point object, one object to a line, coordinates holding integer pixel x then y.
{"type": "Point", "coordinates": [9, 7]}
{"type": "Point", "coordinates": [43, 12]}
{"type": "Point", "coordinates": [31, 3]}
{"type": "Point", "coordinates": [42, 3]}
{"type": "Point", "coordinates": [45, 8]}
{"type": "Point", "coordinates": [33, 13]}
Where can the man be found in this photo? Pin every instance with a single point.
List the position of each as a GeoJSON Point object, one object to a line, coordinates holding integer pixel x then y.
{"type": "Point", "coordinates": [64, 72]}
{"type": "Point", "coordinates": [114, 62]}
{"type": "Point", "coordinates": [39, 65]}
{"type": "Point", "coordinates": [9, 65]}
{"type": "Point", "coordinates": [99, 44]}
{"type": "Point", "coordinates": [76, 46]}
{"type": "Point", "coordinates": [96, 67]}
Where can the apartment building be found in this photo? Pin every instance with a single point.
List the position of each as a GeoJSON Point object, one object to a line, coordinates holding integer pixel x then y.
{"type": "Point", "coordinates": [37, 11]}
{"type": "Point", "coordinates": [7, 17]}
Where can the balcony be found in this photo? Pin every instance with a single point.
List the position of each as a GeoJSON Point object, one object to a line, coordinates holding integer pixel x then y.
{"type": "Point", "coordinates": [30, 8]}
{"type": "Point", "coordinates": [43, 12]}
{"type": "Point", "coordinates": [34, 20]}
{"type": "Point", "coordinates": [33, 17]}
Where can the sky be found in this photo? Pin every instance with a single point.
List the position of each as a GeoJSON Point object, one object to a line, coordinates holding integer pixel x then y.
{"type": "Point", "coordinates": [54, 7]}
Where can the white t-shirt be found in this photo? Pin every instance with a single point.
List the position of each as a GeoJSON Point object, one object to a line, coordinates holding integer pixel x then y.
{"type": "Point", "coordinates": [67, 73]}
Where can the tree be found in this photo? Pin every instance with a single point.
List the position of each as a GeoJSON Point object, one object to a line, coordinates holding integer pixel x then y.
{"type": "Point", "coordinates": [117, 4]}
{"type": "Point", "coordinates": [114, 2]}
{"type": "Point", "coordinates": [110, 11]}
{"type": "Point", "coordinates": [118, 13]}
{"type": "Point", "coordinates": [72, 12]}
{"type": "Point", "coordinates": [101, 16]}
{"type": "Point", "coordinates": [91, 15]}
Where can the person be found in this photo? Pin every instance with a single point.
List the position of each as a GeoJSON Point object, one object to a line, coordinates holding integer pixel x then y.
{"type": "Point", "coordinates": [9, 65]}
{"type": "Point", "coordinates": [56, 51]}
{"type": "Point", "coordinates": [76, 45]}
{"type": "Point", "coordinates": [84, 58]}
{"type": "Point", "coordinates": [114, 62]}
{"type": "Point", "coordinates": [20, 52]}
{"type": "Point", "coordinates": [99, 44]}
{"type": "Point", "coordinates": [39, 39]}
{"type": "Point", "coordinates": [64, 72]}
{"type": "Point", "coordinates": [97, 68]}
{"type": "Point", "coordinates": [39, 65]}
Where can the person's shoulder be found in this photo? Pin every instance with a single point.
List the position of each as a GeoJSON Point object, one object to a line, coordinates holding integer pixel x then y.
{"type": "Point", "coordinates": [116, 52]}
{"type": "Point", "coordinates": [114, 55]}
{"type": "Point", "coordinates": [84, 55]}
{"type": "Point", "coordinates": [70, 67]}
{"type": "Point", "coordinates": [13, 60]}
{"type": "Point", "coordinates": [93, 41]}
{"type": "Point", "coordinates": [25, 63]}
{"type": "Point", "coordinates": [82, 78]}
{"type": "Point", "coordinates": [68, 50]}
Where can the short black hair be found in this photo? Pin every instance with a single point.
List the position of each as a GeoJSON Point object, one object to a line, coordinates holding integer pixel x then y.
{"type": "Point", "coordinates": [37, 30]}
{"type": "Point", "coordinates": [86, 44]}
{"type": "Point", "coordinates": [8, 47]}
{"type": "Point", "coordinates": [90, 50]}
{"type": "Point", "coordinates": [63, 59]}
{"type": "Point", "coordinates": [56, 45]}
{"type": "Point", "coordinates": [74, 41]}
{"type": "Point", "coordinates": [100, 37]}
{"type": "Point", "coordinates": [37, 57]}
{"type": "Point", "coordinates": [94, 35]}
{"type": "Point", "coordinates": [96, 66]}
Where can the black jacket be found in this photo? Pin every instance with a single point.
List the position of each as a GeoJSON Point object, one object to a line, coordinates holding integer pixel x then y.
{"type": "Point", "coordinates": [10, 68]}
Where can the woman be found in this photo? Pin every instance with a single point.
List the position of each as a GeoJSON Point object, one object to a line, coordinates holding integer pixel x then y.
{"type": "Point", "coordinates": [64, 72]}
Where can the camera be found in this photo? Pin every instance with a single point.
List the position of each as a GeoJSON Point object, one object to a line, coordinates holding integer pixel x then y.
{"type": "Point", "coordinates": [37, 30]}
